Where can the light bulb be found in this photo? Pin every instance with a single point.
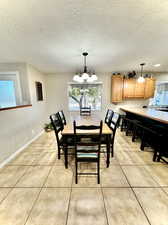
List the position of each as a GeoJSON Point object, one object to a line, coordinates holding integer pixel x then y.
{"type": "Point", "coordinates": [80, 79]}
{"type": "Point", "coordinates": [141, 79]}
{"type": "Point", "coordinates": [85, 76]}
{"type": "Point", "coordinates": [94, 77]}
{"type": "Point", "coordinates": [90, 79]}
{"type": "Point", "coordinates": [75, 78]}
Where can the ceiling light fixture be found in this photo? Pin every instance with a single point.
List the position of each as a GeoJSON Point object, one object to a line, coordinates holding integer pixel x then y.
{"type": "Point", "coordinates": [141, 79]}
{"type": "Point", "coordinates": [157, 65]}
{"type": "Point", "coordinates": [85, 76]}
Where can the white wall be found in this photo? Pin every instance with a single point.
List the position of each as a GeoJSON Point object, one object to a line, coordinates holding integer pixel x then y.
{"type": "Point", "coordinates": [19, 126]}
{"type": "Point", "coordinates": [56, 86]}
{"type": "Point", "coordinates": [161, 76]}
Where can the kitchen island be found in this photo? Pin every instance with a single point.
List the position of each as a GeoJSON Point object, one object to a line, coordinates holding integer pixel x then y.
{"type": "Point", "coordinates": [147, 114]}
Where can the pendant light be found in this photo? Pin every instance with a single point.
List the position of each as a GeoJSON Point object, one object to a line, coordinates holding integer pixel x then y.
{"type": "Point", "coordinates": [85, 76]}
{"type": "Point", "coordinates": [141, 79]}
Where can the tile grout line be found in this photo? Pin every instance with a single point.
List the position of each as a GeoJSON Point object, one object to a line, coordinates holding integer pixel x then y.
{"type": "Point", "coordinates": [47, 176]}
{"type": "Point", "coordinates": [33, 205]}
{"type": "Point", "coordinates": [104, 205]}
{"type": "Point", "coordinates": [136, 197]}
{"type": "Point", "coordinates": [5, 196]}
{"type": "Point", "coordinates": [164, 191]}
{"type": "Point", "coordinates": [37, 197]}
{"type": "Point", "coordinates": [159, 186]}
{"type": "Point", "coordinates": [69, 200]}
{"type": "Point", "coordinates": [20, 177]}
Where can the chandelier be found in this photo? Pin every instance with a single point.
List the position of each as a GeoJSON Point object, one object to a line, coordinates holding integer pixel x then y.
{"type": "Point", "coordinates": [85, 76]}
{"type": "Point", "coordinates": [141, 79]}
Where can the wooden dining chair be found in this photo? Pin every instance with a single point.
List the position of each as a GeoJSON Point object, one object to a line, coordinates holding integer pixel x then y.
{"type": "Point", "coordinates": [85, 111]}
{"type": "Point", "coordinates": [62, 117]}
{"type": "Point", "coordinates": [61, 142]}
{"type": "Point", "coordinates": [108, 116]}
{"type": "Point", "coordinates": [114, 124]}
{"type": "Point", "coordinates": [86, 149]}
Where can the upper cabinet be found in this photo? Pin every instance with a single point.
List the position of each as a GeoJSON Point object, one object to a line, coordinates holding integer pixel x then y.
{"type": "Point", "coordinates": [117, 88]}
{"type": "Point", "coordinates": [124, 88]}
{"type": "Point", "coordinates": [133, 89]}
{"type": "Point", "coordinates": [149, 87]}
{"type": "Point", "coordinates": [139, 89]}
{"type": "Point", "coordinates": [129, 88]}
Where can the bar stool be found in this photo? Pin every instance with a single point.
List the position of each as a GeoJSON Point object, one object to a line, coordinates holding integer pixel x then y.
{"type": "Point", "coordinates": [123, 123]}
{"type": "Point", "coordinates": [154, 138]}
{"type": "Point", "coordinates": [131, 127]}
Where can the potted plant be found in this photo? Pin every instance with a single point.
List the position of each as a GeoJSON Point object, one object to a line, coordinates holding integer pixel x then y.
{"type": "Point", "coordinates": [48, 127]}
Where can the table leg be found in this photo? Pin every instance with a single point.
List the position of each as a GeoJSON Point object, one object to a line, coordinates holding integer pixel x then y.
{"type": "Point", "coordinates": [108, 150]}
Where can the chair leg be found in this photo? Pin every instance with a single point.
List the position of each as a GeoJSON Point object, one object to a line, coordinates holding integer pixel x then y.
{"type": "Point", "coordinates": [112, 149]}
{"type": "Point", "coordinates": [66, 157]}
{"type": "Point", "coordinates": [76, 173]}
{"type": "Point", "coordinates": [142, 145]}
{"type": "Point", "coordinates": [155, 155]}
{"type": "Point", "coordinates": [59, 153]}
{"type": "Point", "coordinates": [122, 126]}
{"type": "Point", "coordinates": [159, 157]}
{"type": "Point", "coordinates": [98, 172]}
{"type": "Point", "coordinates": [134, 134]}
{"type": "Point", "coordinates": [128, 128]}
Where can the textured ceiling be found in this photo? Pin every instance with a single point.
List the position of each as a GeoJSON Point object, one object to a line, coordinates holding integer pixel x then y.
{"type": "Point", "coordinates": [52, 34]}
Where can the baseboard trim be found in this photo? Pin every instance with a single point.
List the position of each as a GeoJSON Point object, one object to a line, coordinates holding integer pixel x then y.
{"type": "Point", "coordinates": [20, 150]}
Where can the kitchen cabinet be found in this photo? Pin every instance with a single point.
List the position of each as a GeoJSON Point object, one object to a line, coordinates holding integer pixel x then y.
{"type": "Point", "coordinates": [139, 89]}
{"type": "Point", "coordinates": [149, 87]}
{"type": "Point", "coordinates": [117, 88]}
{"type": "Point", "coordinates": [129, 88]}
{"type": "Point", "coordinates": [124, 88]}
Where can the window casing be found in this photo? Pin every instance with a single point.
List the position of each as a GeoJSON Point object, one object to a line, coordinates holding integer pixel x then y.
{"type": "Point", "coordinates": [10, 90]}
{"type": "Point", "coordinates": [161, 95]}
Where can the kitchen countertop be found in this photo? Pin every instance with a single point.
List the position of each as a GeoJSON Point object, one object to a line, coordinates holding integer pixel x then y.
{"type": "Point", "coordinates": [151, 113]}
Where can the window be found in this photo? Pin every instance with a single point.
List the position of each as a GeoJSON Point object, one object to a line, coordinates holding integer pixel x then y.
{"type": "Point", "coordinates": [84, 95]}
{"type": "Point", "coordinates": [161, 95]}
{"type": "Point", "coordinates": [10, 92]}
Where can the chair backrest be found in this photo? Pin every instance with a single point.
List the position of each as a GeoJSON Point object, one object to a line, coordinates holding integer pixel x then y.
{"type": "Point", "coordinates": [62, 117]}
{"type": "Point", "coordinates": [80, 139]}
{"type": "Point", "coordinates": [108, 116]}
{"type": "Point", "coordinates": [114, 122]}
{"type": "Point", "coordinates": [85, 111]}
{"type": "Point", "coordinates": [58, 127]}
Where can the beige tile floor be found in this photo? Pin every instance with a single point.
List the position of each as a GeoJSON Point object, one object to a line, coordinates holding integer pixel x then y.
{"type": "Point", "coordinates": [36, 189]}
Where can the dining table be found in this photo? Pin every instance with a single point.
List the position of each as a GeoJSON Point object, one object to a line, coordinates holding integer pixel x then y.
{"type": "Point", "coordinates": [68, 131]}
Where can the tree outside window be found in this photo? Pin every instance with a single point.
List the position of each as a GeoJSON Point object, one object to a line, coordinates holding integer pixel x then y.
{"type": "Point", "coordinates": [85, 95]}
